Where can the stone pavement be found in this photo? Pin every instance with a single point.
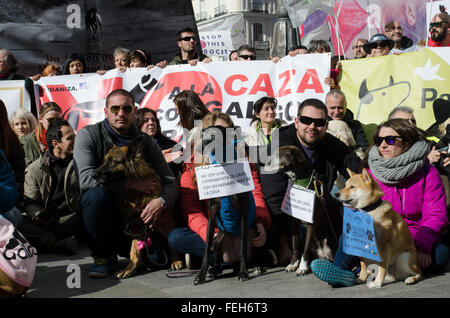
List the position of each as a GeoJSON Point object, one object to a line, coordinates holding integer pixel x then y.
{"type": "Point", "coordinates": [53, 276]}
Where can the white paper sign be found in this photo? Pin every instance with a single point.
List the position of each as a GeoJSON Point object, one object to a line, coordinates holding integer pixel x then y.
{"type": "Point", "coordinates": [299, 203]}
{"type": "Point", "coordinates": [216, 181]}
{"type": "Point", "coordinates": [216, 43]}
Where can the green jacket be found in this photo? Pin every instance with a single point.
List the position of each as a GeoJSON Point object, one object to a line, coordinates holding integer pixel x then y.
{"type": "Point", "coordinates": [177, 58]}
{"type": "Point", "coordinates": [38, 186]}
{"type": "Point", "coordinates": [31, 147]}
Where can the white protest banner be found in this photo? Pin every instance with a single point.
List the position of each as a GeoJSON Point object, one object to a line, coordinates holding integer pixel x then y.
{"type": "Point", "coordinates": [15, 96]}
{"type": "Point", "coordinates": [216, 181]}
{"type": "Point", "coordinates": [230, 87]}
{"type": "Point", "coordinates": [216, 43]}
{"type": "Point", "coordinates": [299, 203]}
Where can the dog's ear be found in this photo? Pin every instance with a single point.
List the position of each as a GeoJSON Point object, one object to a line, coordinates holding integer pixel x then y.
{"type": "Point", "coordinates": [137, 146]}
{"type": "Point", "coordinates": [350, 173]}
{"type": "Point", "coordinates": [366, 176]}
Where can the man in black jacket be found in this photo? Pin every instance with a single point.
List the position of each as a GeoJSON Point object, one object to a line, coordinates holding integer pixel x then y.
{"type": "Point", "coordinates": [327, 154]}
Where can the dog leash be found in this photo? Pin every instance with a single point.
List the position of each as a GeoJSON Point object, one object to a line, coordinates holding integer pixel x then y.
{"type": "Point", "coordinates": [179, 274]}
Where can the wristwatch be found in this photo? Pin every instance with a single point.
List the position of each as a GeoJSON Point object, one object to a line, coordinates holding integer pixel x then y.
{"type": "Point", "coordinates": [163, 202]}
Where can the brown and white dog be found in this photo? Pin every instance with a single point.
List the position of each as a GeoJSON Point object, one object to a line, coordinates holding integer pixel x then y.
{"type": "Point", "coordinates": [394, 241]}
{"type": "Point", "coordinates": [119, 164]}
{"type": "Point", "coordinates": [322, 235]}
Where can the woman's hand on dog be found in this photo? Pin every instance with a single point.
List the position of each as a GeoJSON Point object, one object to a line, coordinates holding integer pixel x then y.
{"type": "Point", "coordinates": [151, 211]}
{"type": "Point", "coordinates": [141, 185]}
{"type": "Point", "coordinates": [261, 236]}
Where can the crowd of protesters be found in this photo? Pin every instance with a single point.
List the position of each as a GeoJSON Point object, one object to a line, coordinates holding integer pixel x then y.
{"type": "Point", "coordinates": [59, 202]}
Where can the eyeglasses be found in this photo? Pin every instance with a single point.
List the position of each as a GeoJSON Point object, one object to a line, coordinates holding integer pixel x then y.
{"type": "Point", "coordinates": [318, 122]}
{"type": "Point", "coordinates": [357, 47]}
{"type": "Point", "coordinates": [390, 140]}
{"type": "Point", "coordinates": [381, 44]}
{"type": "Point", "coordinates": [436, 24]}
{"type": "Point", "coordinates": [246, 57]}
{"type": "Point", "coordinates": [188, 38]}
{"type": "Point", "coordinates": [394, 28]}
{"type": "Point", "coordinates": [115, 109]}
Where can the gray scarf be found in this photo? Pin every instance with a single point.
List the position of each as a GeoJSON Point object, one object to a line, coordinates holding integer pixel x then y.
{"type": "Point", "coordinates": [395, 170]}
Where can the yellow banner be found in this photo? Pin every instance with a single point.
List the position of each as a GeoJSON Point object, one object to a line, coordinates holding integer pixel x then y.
{"type": "Point", "coordinates": [374, 86]}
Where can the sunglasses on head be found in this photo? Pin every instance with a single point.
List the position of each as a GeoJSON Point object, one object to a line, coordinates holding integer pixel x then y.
{"type": "Point", "coordinates": [381, 44]}
{"type": "Point", "coordinates": [318, 122]}
{"type": "Point", "coordinates": [246, 57]}
{"type": "Point", "coordinates": [436, 24]}
{"type": "Point", "coordinates": [390, 140]}
{"type": "Point", "coordinates": [115, 109]}
{"type": "Point", "coordinates": [188, 38]}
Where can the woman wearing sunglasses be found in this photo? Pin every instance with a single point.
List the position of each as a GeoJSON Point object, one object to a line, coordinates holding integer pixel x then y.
{"type": "Point", "coordinates": [378, 45]}
{"type": "Point", "coordinates": [398, 162]}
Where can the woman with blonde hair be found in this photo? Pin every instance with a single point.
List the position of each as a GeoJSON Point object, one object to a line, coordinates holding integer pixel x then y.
{"type": "Point", "coordinates": [35, 144]}
{"type": "Point", "coordinates": [23, 122]}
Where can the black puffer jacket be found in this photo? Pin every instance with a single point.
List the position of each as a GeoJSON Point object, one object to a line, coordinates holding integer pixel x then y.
{"type": "Point", "coordinates": [332, 156]}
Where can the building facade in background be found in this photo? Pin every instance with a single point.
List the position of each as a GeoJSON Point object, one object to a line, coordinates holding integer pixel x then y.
{"type": "Point", "coordinates": [259, 17]}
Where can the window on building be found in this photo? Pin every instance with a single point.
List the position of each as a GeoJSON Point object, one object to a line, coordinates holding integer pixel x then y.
{"type": "Point", "coordinates": [257, 32]}
{"type": "Point", "coordinates": [259, 5]}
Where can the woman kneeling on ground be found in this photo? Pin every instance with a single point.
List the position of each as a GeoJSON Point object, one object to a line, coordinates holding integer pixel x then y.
{"type": "Point", "coordinates": [398, 163]}
{"type": "Point", "coordinates": [191, 240]}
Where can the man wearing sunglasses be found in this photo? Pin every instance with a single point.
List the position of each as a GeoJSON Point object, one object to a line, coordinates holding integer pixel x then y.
{"type": "Point", "coordinates": [98, 214]}
{"type": "Point", "coordinates": [379, 45]}
{"type": "Point", "coordinates": [187, 41]}
{"type": "Point", "coordinates": [439, 31]}
{"type": "Point", "coordinates": [327, 155]}
{"type": "Point", "coordinates": [246, 53]}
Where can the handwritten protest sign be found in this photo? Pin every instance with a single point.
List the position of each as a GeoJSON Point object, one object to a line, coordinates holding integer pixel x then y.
{"type": "Point", "coordinates": [299, 203]}
{"type": "Point", "coordinates": [358, 235]}
{"type": "Point", "coordinates": [216, 181]}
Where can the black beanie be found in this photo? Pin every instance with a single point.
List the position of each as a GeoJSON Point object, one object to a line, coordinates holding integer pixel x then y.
{"type": "Point", "coordinates": [441, 109]}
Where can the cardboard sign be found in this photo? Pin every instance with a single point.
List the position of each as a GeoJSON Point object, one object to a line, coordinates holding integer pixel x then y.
{"type": "Point", "coordinates": [299, 203]}
{"type": "Point", "coordinates": [358, 234]}
{"type": "Point", "coordinates": [215, 181]}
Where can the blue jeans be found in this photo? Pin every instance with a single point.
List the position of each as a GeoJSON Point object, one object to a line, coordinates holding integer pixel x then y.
{"type": "Point", "coordinates": [439, 257]}
{"type": "Point", "coordinates": [184, 241]}
{"type": "Point", "coordinates": [103, 224]}
{"type": "Point", "coordinates": [14, 216]}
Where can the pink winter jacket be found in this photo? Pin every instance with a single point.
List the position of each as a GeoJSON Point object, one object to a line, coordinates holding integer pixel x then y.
{"type": "Point", "coordinates": [420, 199]}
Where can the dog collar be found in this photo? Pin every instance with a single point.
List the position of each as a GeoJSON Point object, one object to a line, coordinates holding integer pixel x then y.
{"type": "Point", "coordinates": [373, 206]}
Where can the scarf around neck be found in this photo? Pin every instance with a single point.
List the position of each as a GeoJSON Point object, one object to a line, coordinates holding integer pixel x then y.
{"type": "Point", "coordinates": [122, 140]}
{"type": "Point", "coordinates": [395, 170]}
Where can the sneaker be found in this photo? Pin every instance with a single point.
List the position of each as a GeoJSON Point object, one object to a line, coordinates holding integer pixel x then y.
{"type": "Point", "coordinates": [332, 274]}
{"type": "Point", "coordinates": [101, 267]}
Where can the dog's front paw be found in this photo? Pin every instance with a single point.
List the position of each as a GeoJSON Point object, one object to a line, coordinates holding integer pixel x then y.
{"type": "Point", "coordinates": [124, 274]}
{"type": "Point", "coordinates": [374, 284]}
{"type": "Point", "coordinates": [176, 265]}
{"type": "Point", "coordinates": [292, 267]}
{"type": "Point", "coordinates": [243, 276]}
{"type": "Point", "coordinates": [302, 271]}
{"type": "Point", "coordinates": [361, 279]}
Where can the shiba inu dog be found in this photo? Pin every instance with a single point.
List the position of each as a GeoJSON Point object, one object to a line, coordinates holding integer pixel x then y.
{"type": "Point", "coordinates": [394, 241]}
